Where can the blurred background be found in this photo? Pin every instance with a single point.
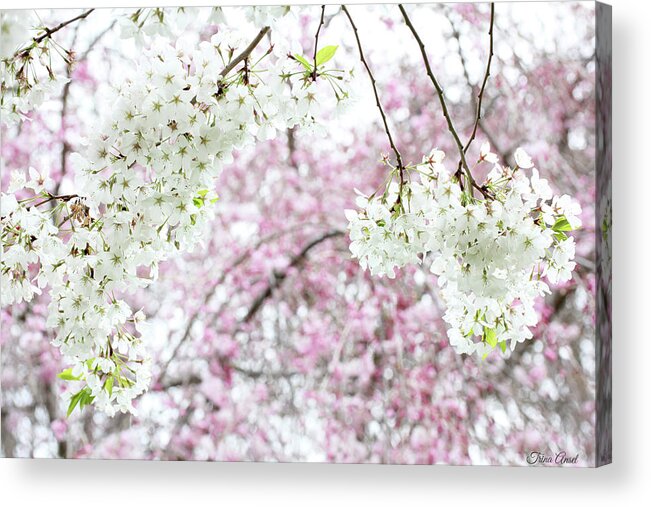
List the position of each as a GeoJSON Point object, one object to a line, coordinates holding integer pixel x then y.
{"type": "Point", "coordinates": [269, 342]}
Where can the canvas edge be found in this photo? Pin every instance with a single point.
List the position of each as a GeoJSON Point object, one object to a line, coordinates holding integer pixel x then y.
{"type": "Point", "coordinates": [603, 234]}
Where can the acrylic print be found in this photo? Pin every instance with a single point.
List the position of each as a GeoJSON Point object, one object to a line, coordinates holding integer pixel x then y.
{"type": "Point", "coordinates": [341, 233]}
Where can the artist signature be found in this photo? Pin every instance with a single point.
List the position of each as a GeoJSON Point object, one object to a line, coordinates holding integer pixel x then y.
{"type": "Point", "coordinates": [560, 458]}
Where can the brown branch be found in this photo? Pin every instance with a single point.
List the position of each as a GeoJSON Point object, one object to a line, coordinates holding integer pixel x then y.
{"type": "Point", "coordinates": [50, 31]}
{"type": "Point", "coordinates": [504, 155]}
{"type": "Point", "coordinates": [377, 98]}
{"type": "Point", "coordinates": [23, 53]}
{"type": "Point", "coordinates": [316, 41]}
{"type": "Point", "coordinates": [480, 96]}
{"type": "Point", "coordinates": [278, 278]}
{"type": "Point", "coordinates": [188, 328]}
{"type": "Point", "coordinates": [229, 269]}
{"type": "Point", "coordinates": [62, 198]}
{"type": "Point", "coordinates": [441, 96]}
{"type": "Point", "coordinates": [245, 54]}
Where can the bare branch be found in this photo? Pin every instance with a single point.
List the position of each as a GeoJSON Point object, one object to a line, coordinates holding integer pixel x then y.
{"type": "Point", "coordinates": [50, 31]}
{"type": "Point", "coordinates": [491, 139]}
{"type": "Point", "coordinates": [480, 96]}
{"type": "Point", "coordinates": [441, 96]}
{"type": "Point", "coordinates": [245, 54]}
{"type": "Point", "coordinates": [377, 98]}
{"type": "Point", "coordinates": [24, 53]}
{"type": "Point", "coordinates": [229, 269]}
{"type": "Point", "coordinates": [278, 278]}
{"type": "Point", "coordinates": [316, 41]}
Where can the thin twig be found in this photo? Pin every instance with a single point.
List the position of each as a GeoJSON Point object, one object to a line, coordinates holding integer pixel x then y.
{"type": "Point", "coordinates": [95, 41]}
{"type": "Point", "coordinates": [245, 54]}
{"type": "Point", "coordinates": [439, 92]}
{"type": "Point", "coordinates": [62, 198]}
{"type": "Point", "coordinates": [480, 96]}
{"type": "Point", "coordinates": [377, 99]}
{"type": "Point", "coordinates": [491, 139]}
{"type": "Point", "coordinates": [316, 41]}
{"type": "Point", "coordinates": [50, 31]}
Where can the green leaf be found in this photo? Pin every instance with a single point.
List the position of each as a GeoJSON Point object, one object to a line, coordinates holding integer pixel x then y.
{"type": "Point", "coordinates": [560, 236]}
{"type": "Point", "coordinates": [562, 225]}
{"type": "Point", "coordinates": [86, 398]}
{"type": "Point", "coordinates": [74, 401]}
{"type": "Point", "coordinates": [198, 202]}
{"type": "Point", "coordinates": [304, 62]}
{"type": "Point", "coordinates": [67, 375]}
{"type": "Point", "coordinates": [108, 385]}
{"type": "Point", "coordinates": [203, 192]}
{"type": "Point", "coordinates": [325, 54]}
{"type": "Point", "coordinates": [503, 346]}
{"type": "Point", "coordinates": [490, 337]}
{"type": "Point", "coordinates": [82, 398]}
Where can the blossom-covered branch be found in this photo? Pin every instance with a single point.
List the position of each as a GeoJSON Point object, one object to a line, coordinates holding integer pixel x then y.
{"type": "Point", "coordinates": [490, 254]}
{"type": "Point", "coordinates": [27, 69]}
{"type": "Point", "coordinates": [145, 192]}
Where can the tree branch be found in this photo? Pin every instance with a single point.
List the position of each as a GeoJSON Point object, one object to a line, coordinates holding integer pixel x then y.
{"type": "Point", "coordinates": [245, 54]}
{"type": "Point", "coordinates": [227, 270]}
{"type": "Point", "coordinates": [483, 85]}
{"type": "Point", "coordinates": [377, 98]}
{"type": "Point", "coordinates": [316, 41]}
{"type": "Point", "coordinates": [62, 198]}
{"type": "Point", "coordinates": [50, 31]}
{"type": "Point", "coordinates": [441, 96]}
{"type": "Point", "coordinates": [95, 41]}
{"type": "Point", "coordinates": [504, 155]}
{"type": "Point", "coordinates": [278, 278]}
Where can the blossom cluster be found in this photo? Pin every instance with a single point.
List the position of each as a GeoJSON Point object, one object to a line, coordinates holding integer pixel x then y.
{"type": "Point", "coordinates": [492, 254]}
{"type": "Point", "coordinates": [27, 73]}
{"type": "Point", "coordinates": [145, 190]}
